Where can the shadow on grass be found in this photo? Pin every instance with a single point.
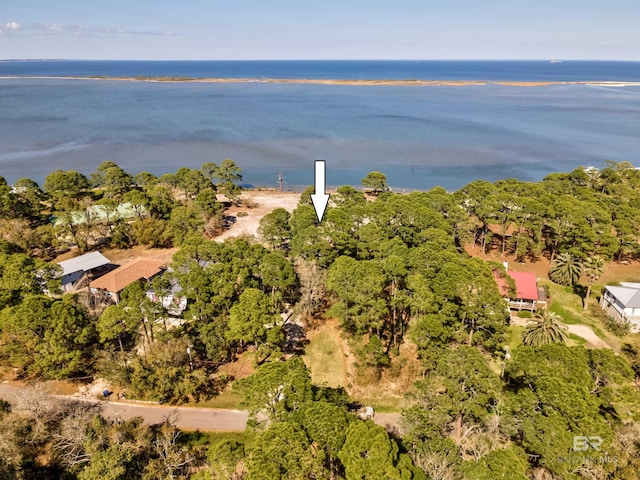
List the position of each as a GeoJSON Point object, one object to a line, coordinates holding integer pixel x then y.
{"type": "Point", "coordinates": [567, 317]}
{"type": "Point", "coordinates": [580, 290]}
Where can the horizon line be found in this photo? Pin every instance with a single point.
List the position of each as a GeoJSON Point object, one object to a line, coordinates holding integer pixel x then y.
{"type": "Point", "coordinates": [549, 59]}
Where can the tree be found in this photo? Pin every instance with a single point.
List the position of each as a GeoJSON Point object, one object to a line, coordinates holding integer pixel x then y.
{"type": "Point", "coordinates": [65, 183]}
{"type": "Point", "coordinates": [458, 394]}
{"type": "Point", "coordinates": [207, 202]}
{"type": "Point", "coordinates": [112, 178]}
{"type": "Point", "coordinates": [276, 273]}
{"type": "Point", "coordinates": [276, 389]}
{"type": "Point", "coordinates": [274, 228]}
{"type": "Point", "coordinates": [191, 181]}
{"type": "Point", "coordinates": [64, 351]}
{"type": "Point", "coordinates": [504, 463]}
{"type": "Point", "coordinates": [326, 425]}
{"type": "Point", "coordinates": [545, 328]}
{"type": "Point", "coordinates": [118, 462]}
{"type": "Point", "coordinates": [285, 452]}
{"type": "Point", "coordinates": [313, 281]}
{"type": "Point", "coordinates": [28, 195]}
{"type": "Point", "coordinates": [565, 269]}
{"type": "Point", "coordinates": [250, 317]}
{"type": "Point", "coordinates": [224, 457]}
{"type": "Point", "coordinates": [139, 201]}
{"type": "Point", "coordinates": [376, 181]}
{"type": "Point", "coordinates": [151, 231]}
{"type": "Point", "coordinates": [593, 268]}
{"type": "Point", "coordinates": [183, 221]}
{"type": "Point", "coordinates": [22, 275]}
{"type": "Point", "coordinates": [369, 453]}
{"type": "Point", "coordinates": [552, 396]}
{"type": "Point", "coordinates": [145, 180]}
{"type": "Point", "coordinates": [116, 322]}
{"type": "Point", "coordinates": [360, 287]}
{"type": "Point", "coordinates": [227, 174]}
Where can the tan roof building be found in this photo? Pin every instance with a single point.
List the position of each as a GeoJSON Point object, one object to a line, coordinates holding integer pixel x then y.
{"type": "Point", "coordinates": [115, 281]}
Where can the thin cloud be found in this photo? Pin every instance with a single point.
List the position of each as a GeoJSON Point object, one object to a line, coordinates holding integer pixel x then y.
{"type": "Point", "coordinates": [15, 28]}
{"type": "Point", "coordinates": [9, 27]}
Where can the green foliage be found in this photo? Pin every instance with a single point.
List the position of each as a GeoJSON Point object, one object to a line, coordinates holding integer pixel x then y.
{"type": "Point", "coordinates": [565, 269]}
{"type": "Point", "coordinates": [152, 232]}
{"type": "Point", "coordinates": [283, 452]}
{"type": "Point", "coordinates": [68, 183]}
{"type": "Point", "coordinates": [461, 389]}
{"type": "Point", "coordinates": [227, 174]}
{"type": "Point", "coordinates": [277, 388]}
{"type": "Point", "coordinates": [165, 375]}
{"type": "Point", "coordinates": [47, 338]}
{"type": "Point", "coordinates": [506, 464]}
{"type": "Point", "coordinates": [22, 275]}
{"type": "Point", "coordinates": [368, 452]}
{"type": "Point", "coordinates": [545, 328]}
{"type": "Point", "coordinates": [557, 392]}
{"type": "Point", "coordinates": [112, 178]}
{"type": "Point", "coordinates": [274, 228]}
{"type": "Point", "coordinates": [224, 457]}
{"type": "Point", "coordinates": [375, 181]}
{"type": "Point", "coordinates": [183, 222]}
{"type": "Point", "coordinates": [250, 317]}
{"type": "Point", "coordinates": [207, 203]}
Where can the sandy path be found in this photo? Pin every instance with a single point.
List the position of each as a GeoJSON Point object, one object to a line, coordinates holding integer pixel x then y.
{"type": "Point", "coordinates": [582, 331]}
{"type": "Point", "coordinates": [585, 332]}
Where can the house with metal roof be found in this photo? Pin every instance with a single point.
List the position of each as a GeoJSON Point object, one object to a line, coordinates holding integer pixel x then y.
{"type": "Point", "coordinates": [115, 281]}
{"type": "Point", "coordinates": [528, 295]}
{"type": "Point", "coordinates": [77, 271]}
{"type": "Point", "coordinates": [622, 303]}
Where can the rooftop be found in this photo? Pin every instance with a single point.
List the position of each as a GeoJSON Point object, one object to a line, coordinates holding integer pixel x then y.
{"type": "Point", "coordinates": [526, 285]}
{"type": "Point", "coordinates": [119, 278]}
{"type": "Point", "coordinates": [628, 294]}
{"type": "Point", "coordinates": [83, 263]}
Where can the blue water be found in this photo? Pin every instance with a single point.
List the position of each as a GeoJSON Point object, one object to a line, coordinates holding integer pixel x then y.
{"type": "Point", "coordinates": [347, 69]}
{"type": "Point", "coordinates": [418, 136]}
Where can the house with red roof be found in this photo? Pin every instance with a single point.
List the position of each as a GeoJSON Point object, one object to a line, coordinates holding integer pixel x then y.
{"type": "Point", "coordinates": [527, 296]}
{"type": "Point", "coordinates": [115, 281]}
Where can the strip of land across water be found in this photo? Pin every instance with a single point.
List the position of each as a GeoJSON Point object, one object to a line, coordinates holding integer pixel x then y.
{"type": "Point", "coordinates": [319, 81]}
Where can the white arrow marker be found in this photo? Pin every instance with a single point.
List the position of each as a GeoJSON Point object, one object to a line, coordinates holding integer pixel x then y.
{"type": "Point", "coordinates": [320, 198]}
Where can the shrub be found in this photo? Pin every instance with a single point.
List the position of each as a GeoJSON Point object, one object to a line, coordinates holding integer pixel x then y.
{"type": "Point", "coordinates": [618, 328]}
{"type": "Point", "coordinates": [524, 314]}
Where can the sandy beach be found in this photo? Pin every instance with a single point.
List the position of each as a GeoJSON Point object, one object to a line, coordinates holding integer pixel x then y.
{"type": "Point", "coordinates": [345, 82]}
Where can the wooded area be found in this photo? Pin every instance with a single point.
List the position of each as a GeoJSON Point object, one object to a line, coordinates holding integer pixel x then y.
{"type": "Point", "coordinates": [392, 268]}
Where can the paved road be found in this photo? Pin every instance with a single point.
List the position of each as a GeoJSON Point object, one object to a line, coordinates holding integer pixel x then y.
{"type": "Point", "coordinates": [186, 418]}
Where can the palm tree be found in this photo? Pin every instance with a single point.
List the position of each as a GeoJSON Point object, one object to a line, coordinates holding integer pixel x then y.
{"type": "Point", "coordinates": [545, 328]}
{"type": "Point", "coordinates": [593, 268]}
{"type": "Point", "coordinates": [565, 269]}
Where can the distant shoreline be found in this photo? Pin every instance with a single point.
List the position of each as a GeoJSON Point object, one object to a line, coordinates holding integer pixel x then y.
{"type": "Point", "coordinates": [318, 81]}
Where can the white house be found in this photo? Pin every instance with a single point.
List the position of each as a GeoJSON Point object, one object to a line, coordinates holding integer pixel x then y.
{"type": "Point", "coordinates": [173, 301]}
{"type": "Point", "coordinates": [623, 303]}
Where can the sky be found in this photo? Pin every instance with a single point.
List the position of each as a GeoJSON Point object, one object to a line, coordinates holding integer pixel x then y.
{"type": "Point", "coordinates": [326, 29]}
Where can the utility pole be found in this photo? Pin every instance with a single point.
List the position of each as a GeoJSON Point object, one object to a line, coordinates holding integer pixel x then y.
{"type": "Point", "coordinates": [281, 181]}
{"type": "Point", "coordinates": [190, 361]}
